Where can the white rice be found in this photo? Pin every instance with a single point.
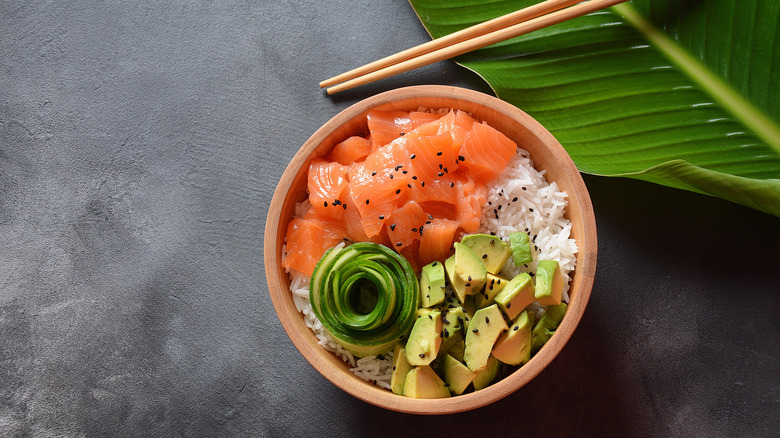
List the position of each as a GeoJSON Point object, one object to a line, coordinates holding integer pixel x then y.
{"type": "Point", "coordinates": [538, 210]}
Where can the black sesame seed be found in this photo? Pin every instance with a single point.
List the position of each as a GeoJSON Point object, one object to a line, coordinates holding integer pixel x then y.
{"type": "Point", "coordinates": [367, 201]}
{"type": "Point", "coordinates": [469, 277]}
{"type": "Point", "coordinates": [525, 188]}
{"type": "Point", "coordinates": [515, 328]}
{"type": "Point", "coordinates": [429, 316]}
{"type": "Point", "coordinates": [422, 184]}
{"type": "Point", "coordinates": [475, 331]}
{"type": "Point", "coordinates": [391, 176]}
{"type": "Point", "coordinates": [508, 305]}
{"type": "Point", "coordinates": [325, 203]}
{"type": "Point", "coordinates": [487, 320]}
{"type": "Point", "coordinates": [412, 157]}
{"type": "Point", "coordinates": [531, 210]}
{"type": "Point", "coordinates": [441, 173]}
{"type": "Point", "coordinates": [514, 199]}
{"type": "Point", "coordinates": [392, 227]}
{"type": "Point", "coordinates": [399, 244]}
{"type": "Point", "coordinates": [438, 154]}
{"type": "Point", "coordinates": [381, 217]}
{"type": "Point", "coordinates": [409, 185]}
{"type": "Point", "coordinates": [441, 166]}
{"type": "Point", "coordinates": [484, 256]}
{"type": "Point", "coordinates": [422, 354]}
{"type": "Point", "coordinates": [435, 263]}
{"type": "Point", "coordinates": [467, 284]}
{"type": "Point", "coordinates": [461, 158]}
{"type": "Point", "coordinates": [344, 205]}
{"type": "Point", "coordinates": [452, 185]}
{"type": "Point", "coordinates": [398, 191]}
{"type": "Point", "coordinates": [414, 177]}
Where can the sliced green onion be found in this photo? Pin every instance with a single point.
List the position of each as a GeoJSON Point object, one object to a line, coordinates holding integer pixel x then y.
{"type": "Point", "coordinates": [365, 295]}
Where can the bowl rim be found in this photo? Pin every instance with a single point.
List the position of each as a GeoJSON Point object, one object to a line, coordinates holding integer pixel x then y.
{"type": "Point", "coordinates": [579, 206]}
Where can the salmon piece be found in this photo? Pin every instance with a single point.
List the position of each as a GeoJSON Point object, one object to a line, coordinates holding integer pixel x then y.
{"type": "Point", "coordinates": [378, 185]}
{"type": "Point", "coordinates": [327, 184]}
{"type": "Point", "coordinates": [436, 240]}
{"type": "Point", "coordinates": [485, 152]}
{"type": "Point", "coordinates": [471, 197]}
{"type": "Point", "coordinates": [412, 254]}
{"type": "Point", "coordinates": [441, 210]}
{"type": "Point", "coordinates": [386, 126]}
{"type": "Point", "coordinates": [403, 228]}
{"type": "Point", "coordinates": [352, 150]}
{"type": "Point", "coordinates": [307, 240]}
{"type": "Point", "coordinates": [433, 163]}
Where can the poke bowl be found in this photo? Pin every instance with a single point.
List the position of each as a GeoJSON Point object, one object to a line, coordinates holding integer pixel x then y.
{"type": "Point", "coordinates": [536, 147]}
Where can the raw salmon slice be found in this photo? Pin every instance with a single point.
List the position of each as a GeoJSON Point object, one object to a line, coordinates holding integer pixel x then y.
{"type": "Point", "coordinates": [433, 165]}
{"type": "Point", "coordinates": [327, 184]}
{"type": "Point", "coordinates": [403, 228]}
{"type": "Point", "coordinates": [485, 152]}
{"type": "Point", "coordinates": [307, 241]}
{"type": "Point", "coordinates": [471, 197]}
{"type": "Point", "coordinates": [436, 240]}
{"type": "Point", "coordinates": [386, 126]}
{"type": "Point", "coordinates": [352, 150]}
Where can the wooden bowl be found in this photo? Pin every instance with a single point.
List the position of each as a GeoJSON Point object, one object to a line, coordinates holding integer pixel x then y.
{"type": "Point", "coordinates": [547, 154]}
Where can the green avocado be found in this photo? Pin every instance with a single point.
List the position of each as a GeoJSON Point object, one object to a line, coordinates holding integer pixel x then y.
{"type": "Point", "coordinates": [493, 285]}
{"type": "Point", "coordinates": [432, 284]}
{"type": "Point", "coordinates": [517, 295]}
{"type": "Point", "coordinates": [461, 289]}
{"type": "Point", "coordinates": [521, 248]}
{"type": "Point", "coordinates": [548, 323]}
{"type": "Point", "coordinates": [486, 375]}
{"type": "Point", "coordinates": [486, 326]}
{"type": "Point", "coordinates": [493, 251]}
{"type": "Point", "coordinates": [400, 368]}
{"type": "Point", "coordinates": [422, 382]}
{"type": "Point", "coordinates": [457, 376]}
{"type": "Point", "coordinates": [513, 347]}
{"type": "Point", "coordinates": [469, 268]}
{"type": "Point", "coordinates": [549, 282]}
{"type": "Point", "coordinates": [425, 339]}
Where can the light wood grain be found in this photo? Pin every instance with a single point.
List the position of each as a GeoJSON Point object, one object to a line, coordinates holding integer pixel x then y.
{"type": "Point", "coordinates": [457, 46]}
{"type": "Point", "coordinates": [547, 154]}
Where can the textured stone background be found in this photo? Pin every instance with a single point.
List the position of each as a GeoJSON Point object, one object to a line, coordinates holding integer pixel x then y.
{"type": "Point", "coordinates": [140, 144]}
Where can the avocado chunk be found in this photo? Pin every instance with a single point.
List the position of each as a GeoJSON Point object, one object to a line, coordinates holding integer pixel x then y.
{"type": "Point", "coordinates": [432, 284]}
{"type": "Point", "coordinates": [513, 347]}
{"type": "Point", "coordinates": [521, 248]}
{"type": "Point", "coordinates": [469, 268]}
{"type": "Point", "coordinates": [486, 375]}
{"type": "Point", "coordinates": [548, 323]}
{"type": "Point", "coordinates": [422, 382]}
{"type": "Point", "coordinates": [493, 251]}
{"type": "Point", "coordinates": [549, 282]}
{"type": "Point", "coordinates": [493, 285]}
{"type": "Point", "coordinates": [517, 295]}
{"type": "Point", "coordinates": [461, 289]}
{"type": "Point", "coordinates": [400, 368]}
{"type": "Point", "coordinates": [453, 322]}
{"type": "Point", "coordinates": [486, 326]}
{"type": "Point", "coordinates": [457, 376]}
{"type": "Point", "coordinates": [425, 339]}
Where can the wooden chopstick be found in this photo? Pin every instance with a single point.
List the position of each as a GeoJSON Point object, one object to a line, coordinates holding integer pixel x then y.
{"type": "Point", "coordinates": [500, 29]}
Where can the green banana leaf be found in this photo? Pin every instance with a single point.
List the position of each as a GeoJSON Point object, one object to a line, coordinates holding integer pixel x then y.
{"type": "Point", "coordinates": [684, 93]}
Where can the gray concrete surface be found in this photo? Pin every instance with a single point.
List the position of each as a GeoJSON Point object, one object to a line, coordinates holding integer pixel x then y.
{"type": "Point", "coordinates": [140, 143]}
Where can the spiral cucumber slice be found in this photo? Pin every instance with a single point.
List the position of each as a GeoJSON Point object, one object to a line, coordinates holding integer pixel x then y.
{"type": "Point", "coordinates": [365, 295]}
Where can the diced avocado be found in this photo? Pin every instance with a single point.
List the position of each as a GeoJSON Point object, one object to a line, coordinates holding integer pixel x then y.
{"type": "Point", "coordinates": [422, 382]}
{"type": "Point", "coordinates": [421, 311]}
{"type": "Point", "coordinates": [469, 268]}
{"type": "Point", "coordinates": [548, 323]}
{"type": "Point", "coordinates": [493, 251]}
{"type": "Point", "coordinates": [486, 375]}
{"type": "Point", "coordinates": [457, 376]}
{"type": "Point", "coordinates": [486, 326]}
{"type": "Point", "coordinates": [432, 284]}
{"type": "Point", "coordinates": [517, 295]}
{"type": "Point", "coordinates": [521, 248]}
{"type": "Point", "coordinates": [400, 368]}
{"type": "Point", "coordinates": [461, 289]}
{"type": "Point", "coordinates": [549, 282]}
{"type": "Point", "coordinates": [453, 323]}
{"type": "Point", "coordinates": [513, 347]}
{"type": "Point", "coordinates": [458, 347]}
{"type": "Point", "coordinates": [424, 340]}
{"type": "Point", "coordinates": [493, 285]}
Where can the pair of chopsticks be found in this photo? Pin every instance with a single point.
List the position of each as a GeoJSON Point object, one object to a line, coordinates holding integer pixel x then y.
{"type": "Point", "coordinates": [499, 29]}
